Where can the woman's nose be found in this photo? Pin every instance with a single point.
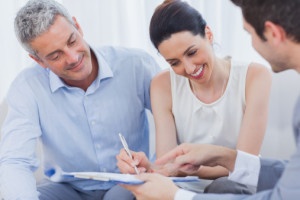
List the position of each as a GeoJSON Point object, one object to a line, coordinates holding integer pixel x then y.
{"type": "Point", "coordinates": [190, 68]}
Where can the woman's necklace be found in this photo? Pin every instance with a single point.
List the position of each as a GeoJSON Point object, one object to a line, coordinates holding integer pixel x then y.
{"type": "Point", "coordinates": [226, 74]}
{"type": "Point", "coordinates": [224, 87]}
{"type": "Point", "coordinates": [226, 77]}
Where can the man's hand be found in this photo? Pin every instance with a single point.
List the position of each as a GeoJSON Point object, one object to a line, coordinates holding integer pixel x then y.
{"type": "Point", "coordinates": [189, 157]}
{"type": "Point", "coordinates": [156, 187]}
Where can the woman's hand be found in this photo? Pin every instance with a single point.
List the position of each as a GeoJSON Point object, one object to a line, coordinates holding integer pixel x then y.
{"type": "Point", "coordinates": [188, 158]}
{"type": "Point", "coordinates": [168, 169]}
{"type": "Point", "coordinates": [126, 164]}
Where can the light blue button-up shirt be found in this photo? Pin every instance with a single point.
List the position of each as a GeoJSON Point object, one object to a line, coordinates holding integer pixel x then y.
{"type": "Point", "coordinates": [78, 129]}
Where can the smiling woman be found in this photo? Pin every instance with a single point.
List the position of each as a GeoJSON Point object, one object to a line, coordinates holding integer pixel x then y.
{"type": "Point", "coordinates": [204, 98]}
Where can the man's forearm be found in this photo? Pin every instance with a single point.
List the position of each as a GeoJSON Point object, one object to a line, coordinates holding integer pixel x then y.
{"type": "Point", "coordinates": [226, 158]}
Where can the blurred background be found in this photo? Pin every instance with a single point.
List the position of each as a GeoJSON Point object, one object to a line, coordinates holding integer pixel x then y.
{"type": "Point", "coordinates": [126, 22]}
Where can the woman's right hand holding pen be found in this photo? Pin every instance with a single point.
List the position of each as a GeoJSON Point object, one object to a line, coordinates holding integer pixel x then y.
{"type": "Point", "coordinates": [126, 164]}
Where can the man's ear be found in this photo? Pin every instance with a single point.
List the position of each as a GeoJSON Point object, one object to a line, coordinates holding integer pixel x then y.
{"type": "Point", "coordinates": [209, 35]}
{"type": "Point", "coordinates": [38, 60]}
{"type": "Point", "coordinates": [274, 32]}
{"type": "Point", "coordinates": [78, 27]}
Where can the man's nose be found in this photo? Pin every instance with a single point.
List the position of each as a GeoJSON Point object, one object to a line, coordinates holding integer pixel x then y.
{"type": "Point", "coordinates": [71, 56]}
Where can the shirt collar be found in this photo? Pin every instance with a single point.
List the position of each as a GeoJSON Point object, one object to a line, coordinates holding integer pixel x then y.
{"type": "Point", "coordinates": [103, 73]}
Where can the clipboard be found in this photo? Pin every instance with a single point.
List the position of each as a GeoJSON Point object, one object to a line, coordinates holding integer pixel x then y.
{"type": "Point", "coordinates": [123, 178]}
{"type": "Point", "coordinates": [56, 174]}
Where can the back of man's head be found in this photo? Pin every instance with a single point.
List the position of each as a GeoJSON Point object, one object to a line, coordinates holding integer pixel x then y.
{"type": "Point", "coordinates": [35, 18]}
{"type": "Point", "coordinates": [285, 13]}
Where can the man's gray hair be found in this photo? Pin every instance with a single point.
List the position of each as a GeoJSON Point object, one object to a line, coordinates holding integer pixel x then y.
{"type": "Point", "coordinates": [35, 18]}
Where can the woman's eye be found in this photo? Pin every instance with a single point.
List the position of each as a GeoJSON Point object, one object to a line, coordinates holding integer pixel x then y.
{"type": "Point", "coordinates": [174, 64]}
{"type": "Point", "coordinates": [191, 53]}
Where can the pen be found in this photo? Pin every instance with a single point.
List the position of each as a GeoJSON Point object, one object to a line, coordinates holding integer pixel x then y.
{"type": "Point", "coordinates": [125, 145]}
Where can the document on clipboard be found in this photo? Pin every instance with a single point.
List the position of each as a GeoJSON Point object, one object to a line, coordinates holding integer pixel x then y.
{"type": "Point", "coordinates": [123, 178]}
{"type": "Point", "coordinates": [56, 174]}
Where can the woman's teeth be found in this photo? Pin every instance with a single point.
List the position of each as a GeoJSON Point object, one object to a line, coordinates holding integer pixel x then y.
{"type": "Point", "coordinates": [197, 72]}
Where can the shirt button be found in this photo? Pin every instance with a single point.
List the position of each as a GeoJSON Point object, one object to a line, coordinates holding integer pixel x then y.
{"type": "Point", "coordinates": [93, 122]}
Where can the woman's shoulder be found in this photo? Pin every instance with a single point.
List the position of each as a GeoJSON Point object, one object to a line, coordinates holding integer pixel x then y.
{"type": "Point", "coordinates": [259, 67]}
{"type": "Point", "coordinates": [161, 80]}
{"type": "Point", "coordinates": [161, 89]}
{"type": "Point", "coordinates": [259, 78]}
{"type": "Point", "coordinates": [250, 68]}
{"type": "Point", "coordinates": [257, 70]}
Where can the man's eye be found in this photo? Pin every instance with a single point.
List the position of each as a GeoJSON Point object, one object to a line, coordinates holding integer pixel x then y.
{"type": "Point", "coordinates": [54, 57]}
{"type": "Point", "coordinates": [72, 42]}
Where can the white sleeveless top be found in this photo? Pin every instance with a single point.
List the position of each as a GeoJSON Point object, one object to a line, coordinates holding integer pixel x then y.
{"type": "Point", "coordinates": [215, 123]}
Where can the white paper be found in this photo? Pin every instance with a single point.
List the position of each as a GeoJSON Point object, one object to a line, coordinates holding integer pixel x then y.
{"type": "Point", "coordinates": [124, 178]}
{"type": "Point", "coordinates": [58, 175]}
